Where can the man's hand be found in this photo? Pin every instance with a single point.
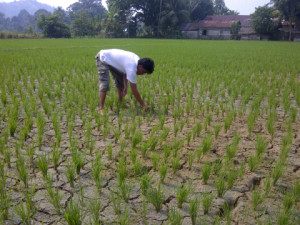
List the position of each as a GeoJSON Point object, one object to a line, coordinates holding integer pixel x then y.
{"type": "Point", "coordinates": [124, 92]}
{"type": "Point", "coordinates": [146, 107]}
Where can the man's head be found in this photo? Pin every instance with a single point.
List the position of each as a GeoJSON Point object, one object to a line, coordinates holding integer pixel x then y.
{"type": "Point", "coordinates": [145, 65]}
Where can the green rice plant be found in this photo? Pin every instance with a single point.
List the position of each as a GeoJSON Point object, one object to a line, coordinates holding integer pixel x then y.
{"type": "Point", "coordinates": [227, 122]}
{"type": "Point", "coordinates": [155, 160]}
{"type": "Point", "coordinates": [220, 185]}
{"type": "Point", "coordinates": [21, 168]}
{"type": "Point", "coordinates": [125, 190]}
{"type": "Point", "coordinates": [257, 198]}
{"type": "Point", "coordinates": [206, 170]}
{"type": "Point", "coordinates": [217, 166]}
{"type": "Point", "coordinates": [261, 146]}
{"type": "Point", "coordinates": [124, 217]}
{"type": "Point", "coordinates": [116, 200]}
{"type": "Point", "coordinates": [109, 151]}
{"type": "Point", "coordinates": [152, 142]}
{"type": "Point", "coordinates": [164, 134]}
{"type": "Point", "coordinates": [191, 158]}
{"type": "Point", "coordinates": [123, 145]}
{"type": "Point", "coordinates": [117, 134]}
{"type": "Point", "coordinates": [95, 209]}
{"type": "Point", "coordinates": [23, 210]}
{"type": "Point", "coordinates": [188, 137]}
{"type": "Point", "coordinates": [288, 201]}
{"type": "Point", "coordinates": [163, 171]}
{"type": "Point", "coordinates": [133, 154]}
{"type": "Point", "coordinates": [155, 197]}
{"type": "Point", "coordinates": [217, 130]}
{"type": "Point", "coordinates": [175, 164]}
{"type": "Point", "coordinates": [70, 173]}
{"type": "Point", "coordinates": [106, 131]}
{"type": "Point", "coordinates": [227, 213]}
{"type": "Point", "coordinates": [197, 130]}
{"type": "Point", "coordinates": [270, 124]}
{"type": "Point", "coordinates": [145, 183]}
{"type": "Point", "coordinates": [7, 157]}
{"type": "Point", "coordinates": [253, 162]}
{"type": "Point", "coordinates": [144, 149]}
{"type": "Point", "coordinates": [232, 175]}
{"type": "Point", "coordinates": [174, 217]}
{"type": "Point", "coordinates": [137, 138]}
{"type": "Point", "coordinates": [178, 144]}
{"type": "Point", "coordinates": [138, 168]}
{"type": "Point", "coordinates": [167, 153]}
{"type": "Point", "coordinates": [97, 172]}
{"type": "Point", "coordinates": [284, 217]}
{"type": "Point", "coordinates": [176, 129]}
{"type": "Point", "coordinates": [207, 201]}
{"type": "Point", "coordinates": [277, 172]}
{"type": "Point", "coordinates": [78, 160]}
{"type": "Point", "coordinates": [194, 209]}
{"type": "Point", "coordinates": [43, 164]}
{"type": "Point", "coordinates": [40, 128]}
{"type": "Point", "coordinates": [54, 197]}
{"type": "Point", "coordinates": [122, 170]}
{"type": "Point", "coordinates": [267, 186]}
{"type": "Point", "coordinates": [5, 198]}
{"type": "Point", "coordinates": [251, 121]}
{"type": "Point", "coordinates": [73, 214]}
{"type": "Point", "coordinates": [182, 194]}
{"type": "Point", "coordinates": [206, 144]}
{"type": "Point", "coordinates": [127, 131]}
{"type": "Point", "coordinates": [56, 154]}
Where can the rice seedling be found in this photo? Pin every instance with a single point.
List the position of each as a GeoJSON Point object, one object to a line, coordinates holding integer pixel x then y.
{"type": "Point", "coordinates": [54, 197]}
{"type": "Point", "coordinates": [277, 172]}
{"type": "Point", "coordinates": [164, 134]}
{"type": "Point", "coordinates": [217, 166]}
{"type": "Point", "coordinates": [167, 153]}
{"type": "Point", "coordinates": [174, 217]}
{"type": "Point", "coordinates": [191, 158]}
{"type": "Point", "coordinates": [194, 209]}
{"type": "Point", "coordinates": [257, 199]}
{"type": "Point", "coordinates": [261, 146]}
{"type": "Point", "coordinates": [227, 213]}
{"type": "Point", "coordinates": [137, 138]}
{"type": "Point", "coordinates": [144, 149]}
{"type": "Point", "coordinates": [78, 160]}
{"type": "Point", "coordinates": [155, 197]}
{"type": "Point", "coordinates": [138, 168]}
{"type": "Point", "coordinates": [217, 130]}
{"type": "Point", "coordinates": [220, 185]}
{"type": "Point", "coordinates": [152, 142]}
{"type": "Point", "coordinates": [122, 170]}
{"type": "Point", "coordinates": [188, 137]}
{"type": "Point", "coordinates": [145, 183]}
{"type": "Point", "coordinates": [124, 217]}
{"type": "Point", "coordinates": [206, 170]}
{"type": "Point", "coordinates": [133, 155]}
{"type": "Point", "coordinates": [182, 194]}
{"type": "Point", "coordinates": [109, 151]}
{"type": "Point", "coordinates": [163, 172]}
{"type": "Point", "coordinates": [22, 172]}
{"type": "Point", "coordinates": [116, 200]}
{"type": "Point", "coordinates": [56, 154]}
{"type": "Point", "coordinates": [207, 201]}
{"type": "Point", "coordinates": [117, 134]}
{"type": "Point", "coordinates": [70, 173]}
{"type": "Point", "coordinates": [206, 144]}
{"type": "Point", "coordinates": [283, 217]}
{"type": "Point", "coordinates": [96, 171]}
{"type": "Point", "coordinates": [73, 214]}
{"type": "Point", "coordinates": [125, 190]}
{"type": "Point", "coordinates": [175, 164]}
{"type": "Point", "coordinates": [155, 161]}
{"type": "Point", "coordinates": [253, 162]}
{"type": "Point", "coordinates": [288, 201]}
{"type": "Point", "coordinates": [43, 164]}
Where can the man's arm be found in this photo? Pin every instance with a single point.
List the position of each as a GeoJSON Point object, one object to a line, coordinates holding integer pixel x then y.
{"type": "Point", "coordinates": [125, 85]}
{"type": "Point", "coordinates": [137, 95]}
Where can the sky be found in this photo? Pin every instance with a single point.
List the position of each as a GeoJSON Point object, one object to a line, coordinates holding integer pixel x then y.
{"type": "Point", "coordinates": [244, 7]}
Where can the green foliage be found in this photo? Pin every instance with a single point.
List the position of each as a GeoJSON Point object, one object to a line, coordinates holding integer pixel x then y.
{"type": "Point", "coordinates": [52, 27]}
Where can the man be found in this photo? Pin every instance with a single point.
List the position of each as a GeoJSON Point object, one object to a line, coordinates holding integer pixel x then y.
{"type": "Point", "coordinates": [123, 66]}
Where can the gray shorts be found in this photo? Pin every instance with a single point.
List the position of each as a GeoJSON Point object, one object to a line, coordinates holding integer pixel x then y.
{"type": "Point", "coordinates": [103, 69]}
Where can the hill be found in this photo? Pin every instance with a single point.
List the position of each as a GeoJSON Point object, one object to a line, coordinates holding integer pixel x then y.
{"type": "Point", "coordinates": [13, 8]}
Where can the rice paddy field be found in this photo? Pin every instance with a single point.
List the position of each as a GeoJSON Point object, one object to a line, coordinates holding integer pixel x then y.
{"type": "Point", "coordinates": [220, 145]}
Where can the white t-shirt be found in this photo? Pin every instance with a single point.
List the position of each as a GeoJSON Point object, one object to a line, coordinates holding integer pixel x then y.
{"type": "Point", "coordinates": [124, 61]}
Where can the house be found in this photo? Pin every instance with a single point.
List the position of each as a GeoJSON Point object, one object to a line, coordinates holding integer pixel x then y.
{"type": "Point", "coordinates": [219, 27]}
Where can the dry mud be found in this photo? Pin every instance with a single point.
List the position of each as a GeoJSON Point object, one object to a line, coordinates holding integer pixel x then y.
{"type": "Point", "coordinates": [140, 210]}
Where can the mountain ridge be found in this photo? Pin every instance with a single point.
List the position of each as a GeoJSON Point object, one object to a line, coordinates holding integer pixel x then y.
{"type": "Point", "coordinates": [11, 9]}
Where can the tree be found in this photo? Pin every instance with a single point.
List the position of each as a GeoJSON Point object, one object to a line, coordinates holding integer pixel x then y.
{"type": "Point", "coordinates": [174, 13]}
{"type": "Point", "coordinates": [288, 9]}
{"type": "Point", "coordinates": [221, 9]}
{"type": "Point", "coordinates": [262, 21]}
{"type": "Point", "coordinates": [200, 9]}
{"type": "Point", "coordinates": [92, 8]}
{"type": "Point", "coordinates": [62, 15]}
{"type": "Point", "coordinates": [52, 27]}
{"type": "Point", "coordinates": [235, 29]}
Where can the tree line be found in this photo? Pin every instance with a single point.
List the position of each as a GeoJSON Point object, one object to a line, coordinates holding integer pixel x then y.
{"type": "Point", "coordinates": [123, 18]}
{"type": "Point", "coordinates": [140, 18]}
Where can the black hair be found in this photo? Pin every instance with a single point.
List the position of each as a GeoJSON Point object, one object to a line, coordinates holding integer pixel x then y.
{"type": "Point", "coordinates": [147, 63]}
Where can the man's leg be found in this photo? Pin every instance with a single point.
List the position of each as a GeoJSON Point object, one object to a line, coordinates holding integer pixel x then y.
{"type": "Point", "coordinates": [102, 99]}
